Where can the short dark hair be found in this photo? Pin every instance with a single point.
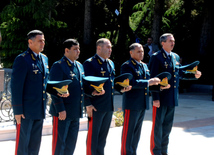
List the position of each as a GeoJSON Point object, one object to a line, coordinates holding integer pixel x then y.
{"type": "Point", "coordinates": [132, 46]}
{"type": "Point", "coordinates": [32, 34]}
{"type": "Point", "coordinates": [68, 43]}
{"type": "Point", "coordinates": [164, 36]}
{"type": "Point", "coordinates": [101, 41]}
{"type": "Point", "coordinates": [150, 37]}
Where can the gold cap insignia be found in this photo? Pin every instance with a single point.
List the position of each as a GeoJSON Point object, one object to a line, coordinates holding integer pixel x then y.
{"type": "Point", "coordinates": [164, 82]}
{"type": "Point", "coordinates": [63, 90]}
{"type": "Point", "coordinates": [193, 70]}
{"type": "Point", "coordinates": [98, 88]}
{"type": "Point", "coordinates": [124, 84]}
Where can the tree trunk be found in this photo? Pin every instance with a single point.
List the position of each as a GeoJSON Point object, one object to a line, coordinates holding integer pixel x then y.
{"type": "Point", "coordinates": [87, 37]}
{"type": "Point", "coordinates": [206, 30]}
{"type": "Point", "coordinates": [158, 13]}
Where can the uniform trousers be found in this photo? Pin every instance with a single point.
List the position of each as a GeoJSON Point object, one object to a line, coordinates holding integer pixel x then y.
{"type": "Point", "coordinates": [133, 120]}
{"type": "Point", "coordinates": [65, 134]}
{"type": "Point", "coordinates": [98, 127]}
{"type": "Point", "coordinates": [162, 118]}
{"type": "Point", "coordinates": [28, 137]}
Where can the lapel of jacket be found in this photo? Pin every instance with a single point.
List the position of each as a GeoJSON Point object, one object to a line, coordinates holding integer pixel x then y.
{"type": "Point", "coordinates": [68, 67]}
{"type": "Point", "coordinates": [45, 65]}
{"type": "Point", "coordinates": [35, 60]}
{"type": "Point", "coordinates": [173, 59]}
{"type": "Point", "coordinates": [137, 68]}
{"type": "Point", "coordinates": [79, 69]}
{"type": "Point", "coordinates": [100, 62]}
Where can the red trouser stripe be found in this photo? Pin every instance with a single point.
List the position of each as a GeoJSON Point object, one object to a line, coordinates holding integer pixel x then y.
{"type": "Point", "coordinates": [18, 128]}
{"type": "Point", "coordinates": [55, 134]}
{"type": "Point", "coordinates": [125, 131]}
{"type": "Point", "coordinates": [152, 142]}
{"type": "Point", "coordinates": [89, 138]}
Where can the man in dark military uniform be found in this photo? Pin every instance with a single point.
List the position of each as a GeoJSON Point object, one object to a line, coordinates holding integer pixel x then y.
{"type": "Point", "coordinates": [164, 102]}
{"type": "Point", "coordinates": [136, 101]}
{"type": "Point", "coordinates": [66, 112]}
{"type": "Point", "coordinates": [28, 84]}
{"type": "Point", "coordinates": [99, 105]}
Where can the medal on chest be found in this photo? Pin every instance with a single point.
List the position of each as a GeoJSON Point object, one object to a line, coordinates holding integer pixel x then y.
{"type": "Point", "coordinates": [166, 64]}
{"type": "Point", "coordinates": [138, 72]}
{"type": "Point", "coordinates": [72, 74]}
{"type": "Point", "coordinates": [102, 71]}
{"type": "Point", "coordinates": [35, 69]}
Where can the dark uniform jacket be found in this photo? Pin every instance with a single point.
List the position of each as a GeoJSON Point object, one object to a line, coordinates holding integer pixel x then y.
{"type": "Point", "coordinates": [138, 97]}
{"type": "Point", "coordinates": [28, 85]}
{"type": "Point", "coordinates": [94, 66]}
{"type": "Point", "coordinates": [160, 63]}
{"type": "Point", "coordinates": [64, 70]}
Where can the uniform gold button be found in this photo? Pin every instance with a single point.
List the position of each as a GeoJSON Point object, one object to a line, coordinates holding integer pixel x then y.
{"type": "Point", "coordinates": [81, 88]}
{"type": "Point", "coordinates": [81, 94]}
{"type": "Point", "coordinates": [146, 88]}
{"type": "Point", "coordinates": [80, 81]}
{"type": "Point", "coordinates": [174, 75]}
{"type": "Point", "coordinates": [43, 99]}
{"type": "Point", "coordinates": [144, 77]}
{"type": "Point", "coordinates": [44, 77]}
{"type": "Point", "coordinates": [173, 70]}
{"type": "Point", "coordinates": [175, 81]}
{"type": "Point", "coordinates": [145, 93]}
{"type": "Point", "coordinates": [43, 92]}
{"type": "Point", "coordinates": [43, 84]}
{"type": "Point", "coordinates": [112, 94]}
{"type": "Point", "coordinates": [112, 87]}
{"type": "Point", "coordinates": [174, 86]}
{"type": "Point", "coordinates": [111, 80]}
{"type": "Point", "coordinates": [109, 74]}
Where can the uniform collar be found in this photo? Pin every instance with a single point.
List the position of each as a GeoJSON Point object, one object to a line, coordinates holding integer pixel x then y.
{"type": "Point", "coordinates": [71, 61]}
{"type": "Point", "coordinates": [102, 58]}
{"type": "Point", "coordinates": [135, 63]}
{"type": "Point", "coordinates": [165, 54]}
{"type": "Point", "coordinates": [168, 54]}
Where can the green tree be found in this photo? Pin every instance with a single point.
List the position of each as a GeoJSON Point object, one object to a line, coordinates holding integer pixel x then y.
{"type": "Point", "coordinates": [21, 16]}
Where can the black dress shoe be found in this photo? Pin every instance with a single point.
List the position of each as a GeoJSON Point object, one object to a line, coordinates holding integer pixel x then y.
{"type": "Point", "coordinates": [164, 153]}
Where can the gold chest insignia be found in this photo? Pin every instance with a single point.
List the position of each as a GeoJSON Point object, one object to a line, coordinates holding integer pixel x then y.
{"type": "Point", "coordinates": [102, 71]}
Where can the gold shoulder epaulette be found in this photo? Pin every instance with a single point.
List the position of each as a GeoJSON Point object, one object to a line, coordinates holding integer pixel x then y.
{"type": "Point", "coordinates": [90, 59]}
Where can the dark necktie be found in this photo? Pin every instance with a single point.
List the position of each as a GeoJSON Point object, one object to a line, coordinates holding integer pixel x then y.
{"type": "Point", "coordinates": [105, 65]}
{"type": "Point", "coordinates": [141, 66]}
{"type": "Point", "coordinates": [169, 57]}
{"type": "Point", "coordinates": [40, 61]}
{"type": "Point", "coordinates": [75, 70]}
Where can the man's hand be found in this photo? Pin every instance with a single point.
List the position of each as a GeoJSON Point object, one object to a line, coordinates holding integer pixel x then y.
{"type": "Point", "coordinates": [154, 81]}
{"type": "Point", "coordinates": [62, 115]}
{"type": "Point", "coordinates": [198, 74]}
{"type": "Point", "coordinates": [165, 87]}
{"type": "Point", "coordinates": [156, 103]}
{"type": "Point", "coordinates": [95, 93]}
{"type": "Point", "coordinates": [126, 89]}
{"type": "Point", "coordinates": [90, 109]}
{"type": "Point", "coordinates": [63, 95]}
{"type": "Point", "coordinates": [19, 118]}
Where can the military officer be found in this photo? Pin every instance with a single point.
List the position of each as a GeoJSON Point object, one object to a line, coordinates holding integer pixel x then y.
{"type": "Point", "coordinates": [164, 102]}
{"type": "Point", "coordinates": [66, 112]}
{"type": "Point", "coordinates": [28, 84]}
{"type": "Point", "coordinates": [135, 101]}
{"type": "Point", "coordinates": [99, 105]}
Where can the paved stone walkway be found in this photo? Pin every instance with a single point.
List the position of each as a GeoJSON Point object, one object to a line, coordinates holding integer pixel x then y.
{"type": "Point", "coordinates": [192, 133]}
